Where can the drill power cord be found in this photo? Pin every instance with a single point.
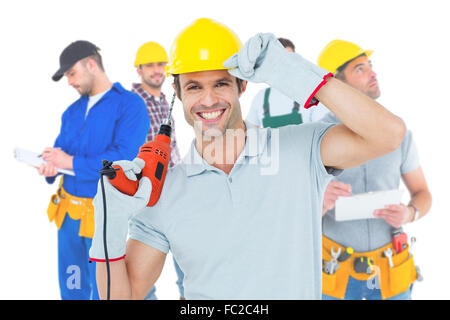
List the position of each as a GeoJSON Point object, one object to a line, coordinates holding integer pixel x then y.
{"type": "Point", "coordinates": [110, 172]}
{"type": "Point", "coordinates": [105, 246]}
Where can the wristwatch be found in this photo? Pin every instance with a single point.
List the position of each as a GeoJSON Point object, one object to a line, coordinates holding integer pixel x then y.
{"type": "Point", "coordinates": [416, 212]}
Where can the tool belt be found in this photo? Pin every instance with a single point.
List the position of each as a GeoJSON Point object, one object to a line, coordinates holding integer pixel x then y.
{"type": "Point", "coordinates": [78, 208]}
{"type": "Point", "coordinates": [392, 281]}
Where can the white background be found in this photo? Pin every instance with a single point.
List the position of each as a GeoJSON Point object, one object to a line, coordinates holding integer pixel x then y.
{"type": "Point", "coordinates": [410, 40]}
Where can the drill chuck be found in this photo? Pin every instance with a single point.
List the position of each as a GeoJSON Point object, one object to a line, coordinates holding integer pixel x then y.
{"type": "Point", "coordinates": [165, 129]}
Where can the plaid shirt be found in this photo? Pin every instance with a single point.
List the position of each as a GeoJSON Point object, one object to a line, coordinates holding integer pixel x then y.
{"type": "Point", "coordinates": [158, 111]}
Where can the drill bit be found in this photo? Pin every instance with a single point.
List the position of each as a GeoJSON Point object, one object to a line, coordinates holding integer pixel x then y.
{"type": "Point", "coordinates": [168, 120]}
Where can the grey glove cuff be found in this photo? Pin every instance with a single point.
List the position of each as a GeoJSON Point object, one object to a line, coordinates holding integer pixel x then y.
{"type": "Point", "coordinates": [264, 59]}
{"type": "Point", "coordinates": [305, 79]}
{"type": "Point", "coordinates": [117, 227]}
{"type": "Point", "coordinates": [120, 208]}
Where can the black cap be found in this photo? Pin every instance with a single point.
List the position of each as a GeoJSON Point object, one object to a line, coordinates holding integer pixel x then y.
{"type": "Point", "coordinates": [72, 54]}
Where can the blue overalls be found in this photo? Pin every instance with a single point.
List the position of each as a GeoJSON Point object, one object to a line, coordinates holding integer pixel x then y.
{"type": "Point", "coordinates": [114, 129]}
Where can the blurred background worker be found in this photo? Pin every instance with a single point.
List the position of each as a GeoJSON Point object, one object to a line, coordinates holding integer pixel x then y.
{"type": "Point", "coordinates": [106, 122]}
{"type": "Point", "coordinates": [150, 64]}
{"type": "Point", "coordinates": [370, 238]}
{"type": "Point", "coordinates": [271, 108]}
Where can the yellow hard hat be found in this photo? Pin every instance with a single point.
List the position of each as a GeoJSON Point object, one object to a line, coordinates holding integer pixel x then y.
{"type": "Point", "coordinates": [150, 52]}
{"type": "Point", "coordinates": [204, 45]}
{"type": "Point", "coordinates": [338, 52]}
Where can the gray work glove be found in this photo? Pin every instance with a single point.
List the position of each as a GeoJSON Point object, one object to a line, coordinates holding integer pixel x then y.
{"type": "Point", "coordinates": [119, 209]}
{"type": "Point", "coordinates": [264, 59]}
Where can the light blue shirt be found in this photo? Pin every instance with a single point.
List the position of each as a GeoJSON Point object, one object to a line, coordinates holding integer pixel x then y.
{"type": "Point", "coordinates": [252, 234]}
{"type": "Point", "coordinates": [382, 173]}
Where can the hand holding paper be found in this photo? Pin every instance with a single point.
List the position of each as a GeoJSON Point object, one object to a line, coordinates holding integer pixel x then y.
{"type": "Point", "coordinates": [334, 190]}
{"type": "Point", "coordinates": [44, 168]}
{"type": "Point", "coordinates": [47, 170]}
{"type": "Point", "coordinates": [395, 214]}
{"type": "Point", "coordinates": [58, 158]}
{"type": "Point", "coordinates": [363, 206]}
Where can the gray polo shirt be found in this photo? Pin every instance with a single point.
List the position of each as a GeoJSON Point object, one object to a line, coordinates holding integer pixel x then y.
{"type": "Point", "coordinates": [383, 173]}
{"type": "Point", "coordinates": [252, 234]}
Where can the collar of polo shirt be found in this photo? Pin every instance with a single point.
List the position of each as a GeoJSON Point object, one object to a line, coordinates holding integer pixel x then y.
{"type": "Point", "coordinates": [254, 146]}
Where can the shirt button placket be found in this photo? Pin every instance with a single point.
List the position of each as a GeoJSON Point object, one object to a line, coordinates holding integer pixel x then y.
{"type": "Point", "coordinates": [230, 189]}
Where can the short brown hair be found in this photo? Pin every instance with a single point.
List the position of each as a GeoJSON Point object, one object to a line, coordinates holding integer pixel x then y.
{"type": "Point", "coordinates": [340, 71]}
{"type": "Point", "coordinates": [98, 60]}
{"type": "Point", "coordinates": [287, 43]}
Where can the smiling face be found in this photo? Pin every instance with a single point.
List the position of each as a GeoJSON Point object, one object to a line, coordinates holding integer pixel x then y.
{"type": "Point", "coordinates": [211, 101]}
{"type": "Point", "coordinates": [360, 75]}
{"type": "Point", "coordinates": [152, 74]}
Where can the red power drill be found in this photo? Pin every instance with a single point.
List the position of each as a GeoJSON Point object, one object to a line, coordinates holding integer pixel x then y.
{"type": "Point", "coordinates": [156, 155]}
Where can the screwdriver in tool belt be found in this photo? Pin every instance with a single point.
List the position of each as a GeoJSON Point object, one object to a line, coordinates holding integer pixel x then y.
{"type": "Point", "coordinates": [346, 254]}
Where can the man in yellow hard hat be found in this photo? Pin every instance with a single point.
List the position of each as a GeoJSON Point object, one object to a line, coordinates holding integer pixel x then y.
{"type": "Point", "coordinates": [239, 231]}
{"type": "Point", "coordinates": [337, 56]}
{"type": "Point", "coordinates": [372, 239]}
{"type": "Point", "coordinates": [150, 63]}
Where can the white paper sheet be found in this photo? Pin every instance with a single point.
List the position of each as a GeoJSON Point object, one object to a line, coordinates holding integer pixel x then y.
{"type": "Point", "coordinates": [34, 159]}
{"type": "Point", "coordinates": [362, 206]}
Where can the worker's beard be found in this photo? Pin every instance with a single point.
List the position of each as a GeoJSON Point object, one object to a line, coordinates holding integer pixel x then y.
{"type": "Point", "coordinates": [373, 91]}
{"type": "Point", "coordinates": [155, 84]}
{"type": "Point", "coordinates": [373, 94]}
{"type": "Point", "coordinates": [87, 91]}
{"type": "Point", "coordinates": [87, 85]}
{"type": "Point", "coordinates": [84, 90]}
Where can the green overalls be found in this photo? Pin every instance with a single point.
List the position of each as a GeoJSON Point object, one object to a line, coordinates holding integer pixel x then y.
{"type": "Point", "coordinates": [279, 121]}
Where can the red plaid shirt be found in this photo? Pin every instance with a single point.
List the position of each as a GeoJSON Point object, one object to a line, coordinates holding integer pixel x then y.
{"type": "Point", "coordinates": [158, 111]}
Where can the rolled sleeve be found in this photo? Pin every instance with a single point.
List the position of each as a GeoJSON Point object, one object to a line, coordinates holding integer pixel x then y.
{"type": "Point", "coordinates": [148, 234]}
{"type": "Point", "coordinates": [410, 156]}
{"type": "Point", "coordinates": [324, 174]}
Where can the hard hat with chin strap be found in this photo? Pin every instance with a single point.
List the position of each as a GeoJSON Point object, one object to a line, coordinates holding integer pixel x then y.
{"type": "Point", "coordinates": [338, 52]}
{"type": "Point", "coordinates": [204, 45]}
{"type": "Point", "coordinates": [150, 52]}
